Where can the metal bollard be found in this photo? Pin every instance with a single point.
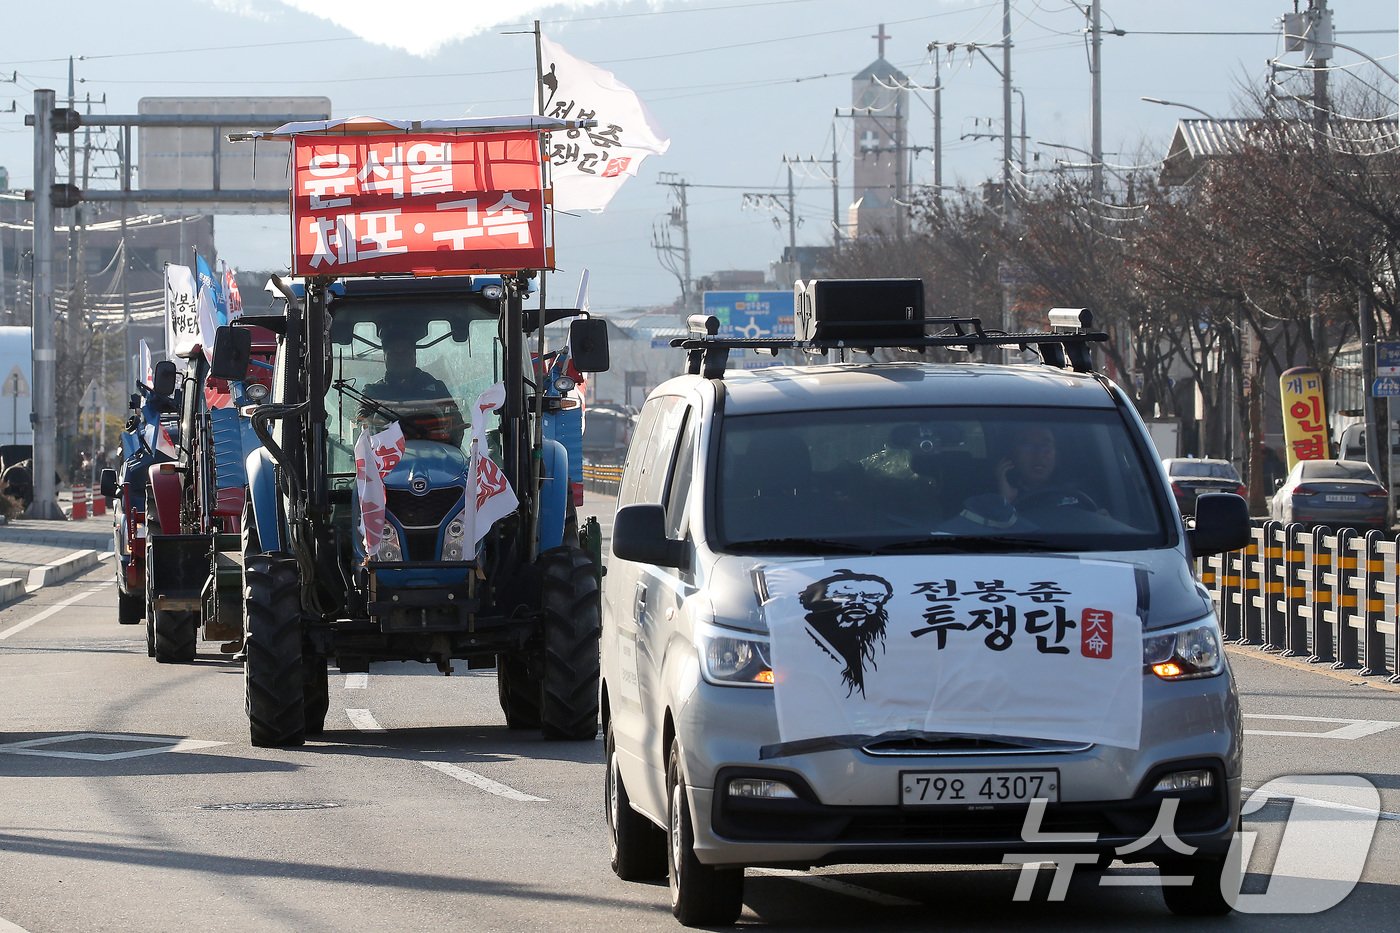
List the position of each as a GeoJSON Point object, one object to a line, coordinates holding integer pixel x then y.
{"type": "Point", "coordinates": [1344, 599]}
{"type": "Point", "coordinates": [1248, 575]}
{"type": "Point", "coordinates": [1269, 570]}
{"type": "Point", "coordinates": [1371, 609]}
{"type": "Point", "coordinates": [1320, 594]}
{"type": "Point", "coordinates": [1294, 603]}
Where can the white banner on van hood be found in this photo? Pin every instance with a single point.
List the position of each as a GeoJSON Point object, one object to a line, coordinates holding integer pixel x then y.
{"type": "Point", "coordinates": [1033, 647]}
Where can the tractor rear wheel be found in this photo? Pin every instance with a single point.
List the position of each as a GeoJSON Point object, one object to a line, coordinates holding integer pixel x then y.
{"type": "Point", "coordinates": [569, 597]}
{"type": "Point", "coordinates": [274, 680]}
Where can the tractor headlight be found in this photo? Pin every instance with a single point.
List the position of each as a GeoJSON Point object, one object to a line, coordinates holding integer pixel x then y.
{"type": "Point", "coordinates": [564, 384]}
{"type": "Point", "coordinates": [390, 548]}
{"type": "Point", "coordinates": [255, 392]}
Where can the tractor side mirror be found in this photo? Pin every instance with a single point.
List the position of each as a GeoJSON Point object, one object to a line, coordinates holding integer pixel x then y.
{"type": "Point", "coordinates": [588, 345]}
{"type": "Point", "coordinates": [232, 348]}
{"type": "Point", "coordinates": [109, 483]}
{"type": "Point", "coordinates": [163, 379]}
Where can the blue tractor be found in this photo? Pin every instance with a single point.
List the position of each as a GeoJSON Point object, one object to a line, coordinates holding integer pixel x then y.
{"type": "Point", "coordinates": [417, 571]}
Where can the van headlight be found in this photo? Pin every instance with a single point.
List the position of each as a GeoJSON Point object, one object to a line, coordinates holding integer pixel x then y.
{"type": "Point", "coordinates": [1184, 653]}
{"type": "Point", "coordinates": [734, 659]}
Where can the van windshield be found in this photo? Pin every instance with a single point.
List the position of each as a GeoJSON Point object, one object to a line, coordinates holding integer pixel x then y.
{"type": "Point", "coordinates": [936, 478]}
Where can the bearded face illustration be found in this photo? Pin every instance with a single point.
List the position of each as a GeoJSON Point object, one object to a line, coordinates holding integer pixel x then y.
{"type": "Point", "coordinates": [846, 617]}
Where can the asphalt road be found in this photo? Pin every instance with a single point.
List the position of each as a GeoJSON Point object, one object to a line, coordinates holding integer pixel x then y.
{"type": "Point", "coordinates": [130, 798]}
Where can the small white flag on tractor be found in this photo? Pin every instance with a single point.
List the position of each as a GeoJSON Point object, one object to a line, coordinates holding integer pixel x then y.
{"type": "Point", "coordinates": [589, 166]}
{"type": "Point", "coordinates": [489, 497]}
{"type": "Point", "coordinates": [375, 456]}
{"type": "Point", "coordinates": [148, 374]}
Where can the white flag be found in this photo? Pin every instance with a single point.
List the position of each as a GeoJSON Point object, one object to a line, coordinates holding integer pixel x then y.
{"type": "Point", "coordinates": [375, 456]}
{"type": "Point", "coordinates": [181, 314]}
{"type": "Point", "coordinates": [148, 373]}
{"type": "Point", "coordinates": [493, 498]}
{"type": "Point", "coordinates": [205, 312]}
{"type": "Point", "coordinates": [588, 166]}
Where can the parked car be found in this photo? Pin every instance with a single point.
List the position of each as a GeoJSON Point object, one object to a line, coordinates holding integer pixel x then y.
{"type": "Point", "coordinates": [1191, 476]}
{"type": "Point", "coordinates": [851, 616]}
{"type": "Point", "coordinates": [1336, 493]}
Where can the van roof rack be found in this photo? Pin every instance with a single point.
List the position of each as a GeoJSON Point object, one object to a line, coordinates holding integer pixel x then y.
{"type": "Point", "coordinates": [1068, 345]}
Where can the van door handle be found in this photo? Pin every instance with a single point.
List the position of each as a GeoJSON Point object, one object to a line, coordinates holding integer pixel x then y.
{"type": "Point", "coordinates": [641, 603]}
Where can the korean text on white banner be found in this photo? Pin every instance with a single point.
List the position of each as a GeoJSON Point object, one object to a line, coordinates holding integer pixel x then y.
{"type": "Point", "coordinates": [232, 297]}
{"type": "Point", "coordinates": [1036, 648]}
{"type": "Point", "coordinates": [494, 499]}
{"type": "Point", "coordinates": [589, 166]}
{"type": "Point", "coordinates": [376, 455]}
{"type": "Point", "coordinates": [181, 314]}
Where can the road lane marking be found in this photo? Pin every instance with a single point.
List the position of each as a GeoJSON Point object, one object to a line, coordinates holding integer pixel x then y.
{"type": "Point", "coordinates": [1386, 815]}
{"type": "Point", "coordinates": [41, 616]}
{"type": "Point", "coordinates": [356, 681]}
{"type": "Point", "coordinates": [1349, 729]}
{"type": "Point", "coordinates": [483, 783]}
{"type": "Point", "coordinates": [839, 887]}
{"type": "Point", "coordinates": [36, 747]}
{"type": "Point", "coordinates": [362, 719]}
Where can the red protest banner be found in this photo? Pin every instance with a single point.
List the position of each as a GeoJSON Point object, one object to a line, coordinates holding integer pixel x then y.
{"type": "Point", "coordinates": [422, 203]}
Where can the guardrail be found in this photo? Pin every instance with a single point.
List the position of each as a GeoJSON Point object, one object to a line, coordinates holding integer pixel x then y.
{"type": "Point", "coordinates": [1326, 596]}
{"type": "Point", "coordinates": [604, 478]}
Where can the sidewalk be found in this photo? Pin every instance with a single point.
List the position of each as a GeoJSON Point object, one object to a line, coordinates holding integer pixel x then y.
{"type": "Point", "coordinates": [27, 543]}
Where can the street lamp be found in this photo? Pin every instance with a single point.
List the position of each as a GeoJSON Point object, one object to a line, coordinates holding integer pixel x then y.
{"type": "Point", "coordinates": [1177, 103]}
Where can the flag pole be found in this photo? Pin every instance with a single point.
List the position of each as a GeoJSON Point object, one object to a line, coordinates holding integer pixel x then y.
{"type": "Point", "coordinates": [537, 443]}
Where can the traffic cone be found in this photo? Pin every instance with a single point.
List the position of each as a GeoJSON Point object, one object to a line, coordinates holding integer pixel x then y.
{"type": "Point", "coordinates": [80, 502]}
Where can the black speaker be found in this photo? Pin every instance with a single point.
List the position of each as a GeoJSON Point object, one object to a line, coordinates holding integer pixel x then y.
{"type": "Point", "coordinates": [888, 310]}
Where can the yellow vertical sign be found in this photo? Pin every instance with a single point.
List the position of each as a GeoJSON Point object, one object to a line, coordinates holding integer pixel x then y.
{"type": "Point", "coordinates": [1304, 414]}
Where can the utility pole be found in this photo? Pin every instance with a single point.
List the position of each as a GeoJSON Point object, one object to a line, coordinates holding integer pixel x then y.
{"type": "Point", "coordinates": [45, 504]}
{"type": "Point", "coordinates": [1006, 108]}
{"type": "Point", "coordinates": [937, 127]}
{"type": "Point", "coordinates": [1096, 117]}
{"type": "Point", "coordinates": [792, 227]}
{"type": "Point", "coordinates": [1320, 52]}
{"type": "Point", "coordinates": [661, 238]}
{"type": "Point", "coordinates": [832, 177]}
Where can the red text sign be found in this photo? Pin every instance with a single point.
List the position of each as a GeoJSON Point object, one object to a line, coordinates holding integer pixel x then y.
{"type": "Point", "coordinates": [1096, 634]}
{"type": "Point", "coordinates": [418, 203]}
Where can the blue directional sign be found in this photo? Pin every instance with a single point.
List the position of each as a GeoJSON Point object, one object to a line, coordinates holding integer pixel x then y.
{"type": "Point", "coordinates": [1386, 387]}
{"type": "Point", "coordinates": [751, 314]}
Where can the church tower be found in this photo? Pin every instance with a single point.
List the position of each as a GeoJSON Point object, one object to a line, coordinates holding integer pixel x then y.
{"type": "Point", "coordinates": [880, 116]}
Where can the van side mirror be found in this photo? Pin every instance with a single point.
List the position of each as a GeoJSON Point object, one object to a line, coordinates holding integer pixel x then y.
{"type": "Point", "coordinates": [639, 534]}
{"type": "Point", "coordinates": [232, 347]}
{"type": "Point", "coordinates": [1222, 524]}
{"type": "Point", "coordinates": [109, 483]}
{"type": "Point", "coordinates": [588, 345]}
{"type": "Point", "coordinates": [163, 378]}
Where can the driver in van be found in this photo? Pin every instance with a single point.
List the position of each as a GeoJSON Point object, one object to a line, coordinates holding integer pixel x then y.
{"type": "Point", "coordinates": [436, 415]}
{"type": "Point", "coordinates": [1026, 478]}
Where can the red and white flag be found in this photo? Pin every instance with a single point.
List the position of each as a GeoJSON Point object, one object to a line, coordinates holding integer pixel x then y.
{"type": "Point", "coordinates": [232, 298]}
{"type": "Point", "coordinates": [493, 499]}
{"type": "Point", "coordinates": [375, 456]}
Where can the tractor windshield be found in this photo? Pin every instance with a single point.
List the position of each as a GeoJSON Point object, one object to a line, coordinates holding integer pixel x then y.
{"type": "Point", "coordinates": [421, 364]}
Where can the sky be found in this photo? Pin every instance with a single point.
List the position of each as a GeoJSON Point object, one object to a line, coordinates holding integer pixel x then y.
{"type": "Point", "coordinates": [736, 85]}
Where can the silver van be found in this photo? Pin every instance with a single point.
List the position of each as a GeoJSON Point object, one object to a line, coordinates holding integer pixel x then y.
{"type": "Point", "coordinates": [910, 613]}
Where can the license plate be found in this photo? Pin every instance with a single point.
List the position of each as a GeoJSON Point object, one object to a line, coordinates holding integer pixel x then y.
{"type": "Point", "coordinates": [976, 788]}
{"type": "Point", "coordinates": [1339, 498]}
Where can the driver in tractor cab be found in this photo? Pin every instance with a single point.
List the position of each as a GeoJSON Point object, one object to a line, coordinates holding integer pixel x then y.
{"type": "Point", "coordinates": [426, 408]}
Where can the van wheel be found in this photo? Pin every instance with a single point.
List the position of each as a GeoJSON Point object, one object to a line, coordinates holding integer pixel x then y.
{"type": "Point", "coordinates": [638, 845]}
{"type": "Point", "coordinates": [701, 895]}
{"type": "Point", "coordinates": [1203, 897]}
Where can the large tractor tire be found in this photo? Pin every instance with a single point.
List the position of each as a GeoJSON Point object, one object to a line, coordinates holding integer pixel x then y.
{"type": "Point", "coordinates": [171, 634]}
{"type": "Point", "coordinates": [519, 693]}
{"type": "Point", "coordinates": [569, 688]}
{"type": "Point", "coordinates": [274, 679]}
{"type": "Point", "coordinates": [131, 608]}
{"type": "Point", "coordinates": [316, 688]}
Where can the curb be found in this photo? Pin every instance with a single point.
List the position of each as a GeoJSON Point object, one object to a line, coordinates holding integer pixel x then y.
{"type": "Point", "coordinates": [11, 589]}
{"type": "Point", "coordinates": [63, 569]}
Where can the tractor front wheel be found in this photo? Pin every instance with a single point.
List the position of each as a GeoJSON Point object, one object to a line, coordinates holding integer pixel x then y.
{"type": "Point", "coordinates": [274, 677]}
{"type": "Point", "coordinates": [569, 597]}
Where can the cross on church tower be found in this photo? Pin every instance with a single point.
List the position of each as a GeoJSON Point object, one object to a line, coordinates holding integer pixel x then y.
{"type": "Point", "coordinates": [881, 36]}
